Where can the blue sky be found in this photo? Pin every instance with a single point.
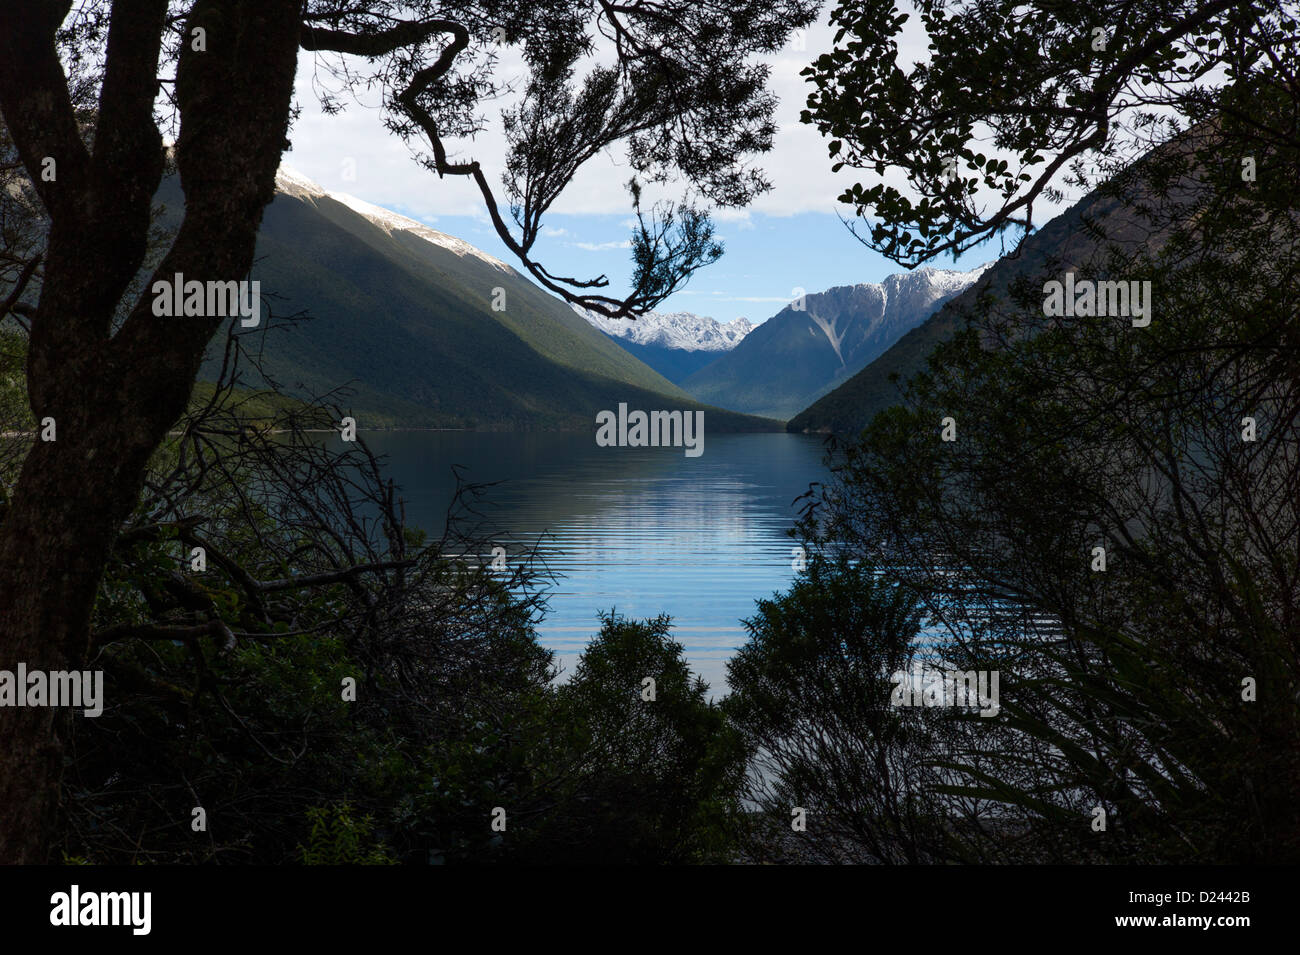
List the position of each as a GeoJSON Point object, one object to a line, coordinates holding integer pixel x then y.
{"type": "Point", "coordinates": [790, 238]}
{"type": "Point", "coordinates": [766, 259]}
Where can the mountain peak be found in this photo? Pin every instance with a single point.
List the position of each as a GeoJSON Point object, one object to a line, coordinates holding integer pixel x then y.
{"type": "Point", "coordinates": [293, 183]}
{"type": "Point", "coordinates": [801, 353]}
{"type": "Point", "coordinates": [685, 331]}
{"type": "Point", "coordinates": [928, 276]}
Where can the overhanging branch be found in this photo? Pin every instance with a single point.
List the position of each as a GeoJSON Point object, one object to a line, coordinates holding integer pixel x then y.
{"type": "Point", "coordinates": [408, 101]}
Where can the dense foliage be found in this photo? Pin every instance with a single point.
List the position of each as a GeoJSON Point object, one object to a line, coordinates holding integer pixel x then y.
{"type": "Point", "coordinates": [1101, 505]}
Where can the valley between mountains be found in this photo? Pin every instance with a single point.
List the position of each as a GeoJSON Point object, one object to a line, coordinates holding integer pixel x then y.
{"type": "Point", "coordinates": [395, 320]}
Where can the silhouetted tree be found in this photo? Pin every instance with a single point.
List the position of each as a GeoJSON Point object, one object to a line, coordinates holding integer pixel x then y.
{"type": "Point", "coordinates": [1116, 519]}
{"type": "Point", "coordinates": [1017, 100]}
{"type": "Point", "coordinates": [680, 91]}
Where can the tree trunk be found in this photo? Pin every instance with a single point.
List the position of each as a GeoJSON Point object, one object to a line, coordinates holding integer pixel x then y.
{"type": "Point", "coordinates": [66, 509]}
{"type": "Point", "coordinates": [113, 396]}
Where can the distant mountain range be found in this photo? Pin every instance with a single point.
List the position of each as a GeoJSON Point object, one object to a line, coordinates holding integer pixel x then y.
{"type": "Point", "coordinates": [676, 344]}
{"type": "Point", "coordinates": [801, 353]}
{"type": "Point", "coordinates": [1063, 243]}
{"type": "Point", "coordinates": [401, 315]}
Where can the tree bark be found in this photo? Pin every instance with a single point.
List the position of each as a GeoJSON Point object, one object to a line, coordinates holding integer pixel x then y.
{"type": "Point", "coordinates": [114, 396]}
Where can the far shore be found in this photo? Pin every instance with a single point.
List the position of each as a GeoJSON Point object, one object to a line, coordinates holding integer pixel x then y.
{"type": "Point", "coordinates": [402, 430]}
{"type": "Point", "coordinates": [32, 434]}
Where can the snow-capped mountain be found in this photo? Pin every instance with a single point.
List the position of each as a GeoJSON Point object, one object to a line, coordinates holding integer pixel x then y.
{"type": "Point", "coordinates": [293, 183]}
{"type": "Point", "coordinates": [681, 330]}
{"type": "Point", "coordinates": [800, 354]}
{"type": "Point", "coordinates": [675, 344]}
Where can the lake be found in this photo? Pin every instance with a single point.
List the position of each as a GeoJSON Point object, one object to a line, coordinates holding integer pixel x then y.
{"type": "Point", "coordinates": [639, 530]}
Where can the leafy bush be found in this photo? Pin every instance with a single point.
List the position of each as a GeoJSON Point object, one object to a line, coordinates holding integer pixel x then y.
{"type": "Point", "coordinates": [338, 837]}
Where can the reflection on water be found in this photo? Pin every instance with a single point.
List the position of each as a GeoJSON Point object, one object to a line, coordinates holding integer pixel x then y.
{"type": "Point", "coordinates": [639, 530]}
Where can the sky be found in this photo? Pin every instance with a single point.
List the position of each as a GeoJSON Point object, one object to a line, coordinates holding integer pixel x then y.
{"type": "Point", "coordinates": [789, 241]}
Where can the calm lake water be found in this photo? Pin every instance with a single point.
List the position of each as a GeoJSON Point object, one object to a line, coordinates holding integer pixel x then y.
{"type": "Point", "coordinates": [639, 530]}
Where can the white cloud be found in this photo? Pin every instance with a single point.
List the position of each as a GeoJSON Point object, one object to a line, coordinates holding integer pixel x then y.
{"type": "Point", "coordinates": [603, 246]}
{"type": "Point", "coordinates": [721, 296]}
{"type": "Point", "coordinates": [327, 148]}
{"type": "Point", "coordinates": [738, 218]}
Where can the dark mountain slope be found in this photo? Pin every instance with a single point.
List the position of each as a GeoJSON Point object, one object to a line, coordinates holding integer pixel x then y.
{"type": "Point", "coordinates": [402, 317]}
{"type": "Point", "coordinates": [1063, 244]}
{"type": "Point", "coordinates": [797, 355]}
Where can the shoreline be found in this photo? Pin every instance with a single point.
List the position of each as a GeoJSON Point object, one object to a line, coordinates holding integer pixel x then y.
{"type": "Point", "coordinates": [405, 430]}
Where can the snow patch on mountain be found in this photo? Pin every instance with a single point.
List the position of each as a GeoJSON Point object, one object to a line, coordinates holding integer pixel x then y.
{"type": "Point", "coordinates": [293, 183]}
{"type": "Point", "coordinates": [898, 298]}
{"type": "Point", "coordinates": [938, 281]}
{"type": "Point", "coordinates": [681, 330]}
{"type": "Point", "coordinates": [889, 307]}
{"type": "Point", "coordinates": [947, 280]}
